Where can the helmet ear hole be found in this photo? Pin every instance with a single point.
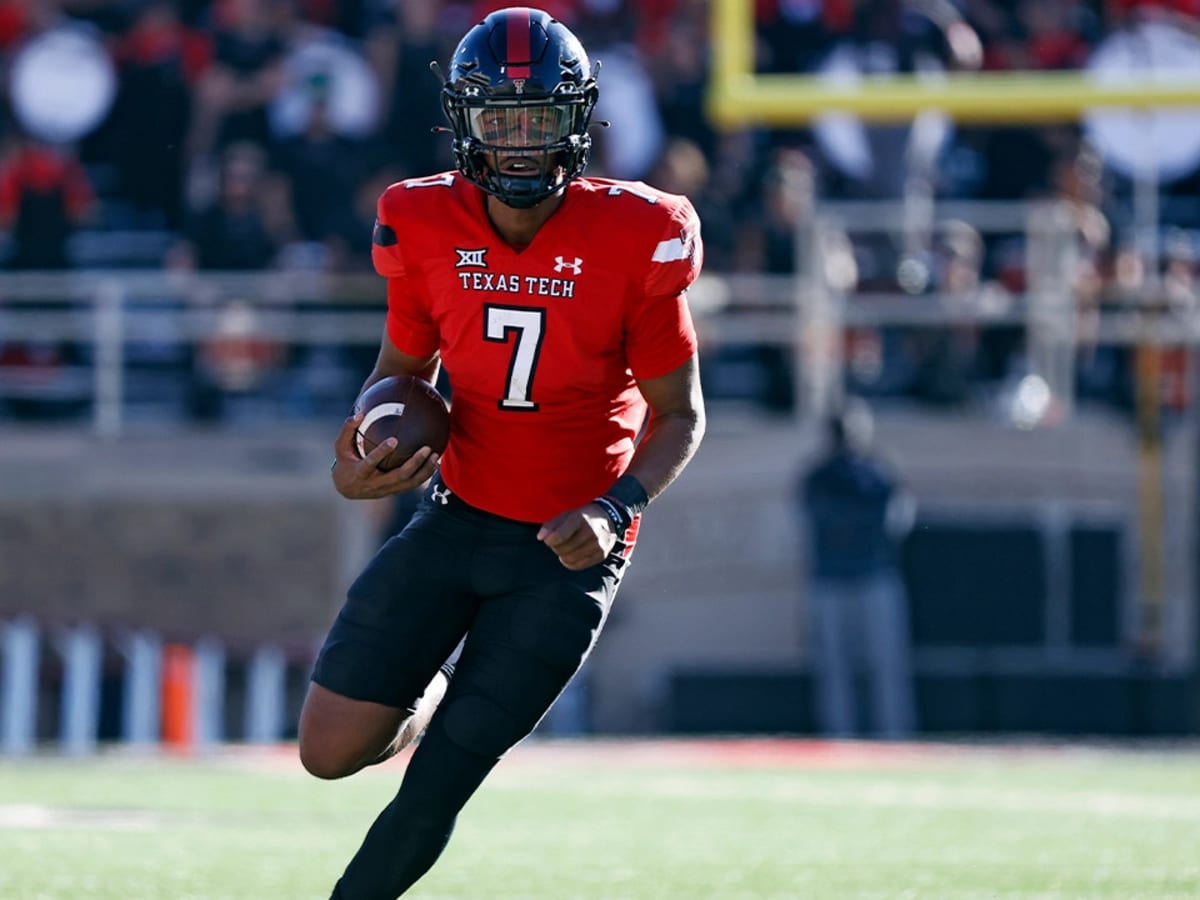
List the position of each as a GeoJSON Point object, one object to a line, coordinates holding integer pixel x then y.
{"type": "Point", "coordinates": [520, 64]}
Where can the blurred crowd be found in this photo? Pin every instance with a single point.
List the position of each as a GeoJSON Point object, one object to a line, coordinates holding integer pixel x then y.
{"type": "Point", "coordinates": [257, 134]}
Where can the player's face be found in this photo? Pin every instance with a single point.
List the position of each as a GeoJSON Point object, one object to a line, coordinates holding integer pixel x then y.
{"type": "Point", "coordinates": [519, 126]}
{"type": "Point", "coordinates": [526, 130]}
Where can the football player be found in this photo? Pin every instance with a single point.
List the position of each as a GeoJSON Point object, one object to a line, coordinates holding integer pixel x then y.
{"type": "Point", "coordinates": [557, 304]}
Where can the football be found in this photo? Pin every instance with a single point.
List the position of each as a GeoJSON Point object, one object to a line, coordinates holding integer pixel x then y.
{"type": "Point", "coordinates": [406, 408]}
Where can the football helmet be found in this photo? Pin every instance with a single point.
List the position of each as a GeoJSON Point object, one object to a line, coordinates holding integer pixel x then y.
{"type": "Point", "coordinates": [519, 96]}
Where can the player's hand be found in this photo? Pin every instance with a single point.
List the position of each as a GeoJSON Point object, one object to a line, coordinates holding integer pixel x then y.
{"type": "Point", "coordinates": [362, 479]}
{"type": "Point", "coordinates": [581, 537]}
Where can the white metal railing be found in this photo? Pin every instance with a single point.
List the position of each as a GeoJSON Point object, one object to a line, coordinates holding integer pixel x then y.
{"type": "Point", "coordinates": [109, 311]}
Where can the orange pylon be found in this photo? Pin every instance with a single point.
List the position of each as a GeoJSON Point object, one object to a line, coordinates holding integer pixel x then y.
{"type": "Point", "coordinates": [177, 697]}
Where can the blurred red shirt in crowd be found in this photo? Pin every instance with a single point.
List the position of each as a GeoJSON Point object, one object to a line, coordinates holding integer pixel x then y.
{"type": "Point", "coordinates": [158, 35]}
{"type": "Point", "coordinates": [44, 195]}
{"type": "Point", "coordinates": [1181, 7]}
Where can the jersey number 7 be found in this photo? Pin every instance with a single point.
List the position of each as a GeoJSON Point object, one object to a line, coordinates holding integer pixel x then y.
{"type": "Point", "coordinates": [525, 326]}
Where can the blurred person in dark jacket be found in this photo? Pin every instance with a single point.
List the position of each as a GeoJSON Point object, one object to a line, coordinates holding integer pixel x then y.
{"type": "Point", "coordinates": [796, 35]}
{"type": "Point", "coordinates": [235, 92]}
{"type": "Point", "coordinates": [678, 65]}
{"type": "Point", "coordinates": [241, 228]}
{"type": "Point", "coordinates": [401, 55]}
{"type": "Point", "coordinates": [855, 510]}
{"type": "Point", "coordinates": [323, 171]}
{"type": "Point", "coordinates": [160, 60]}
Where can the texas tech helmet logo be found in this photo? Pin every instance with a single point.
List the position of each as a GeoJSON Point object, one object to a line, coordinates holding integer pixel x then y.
{"type": "Point", "coordinates": [471, 259]}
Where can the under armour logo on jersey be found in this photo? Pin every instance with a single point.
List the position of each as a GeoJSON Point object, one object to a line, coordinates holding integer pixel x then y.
{"type": "Point", "coordinates": [440, 494]}
{"type": "Point", "coordinates": [471, 259]}
{"type": "Point", "coordinates": [576, 265]}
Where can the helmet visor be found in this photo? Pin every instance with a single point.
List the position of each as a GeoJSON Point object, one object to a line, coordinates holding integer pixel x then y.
{"type": "Point", "coordinates": [519, 126]}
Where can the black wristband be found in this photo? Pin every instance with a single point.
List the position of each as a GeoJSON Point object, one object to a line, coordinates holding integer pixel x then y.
{"type": "Point", "coordinates": [628, 491]}
{"type": "Point", "coordinates": [617, 514]}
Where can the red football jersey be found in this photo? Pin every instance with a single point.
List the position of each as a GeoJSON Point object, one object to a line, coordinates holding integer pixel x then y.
{"type": "Point", "coordinates": [542, 346]}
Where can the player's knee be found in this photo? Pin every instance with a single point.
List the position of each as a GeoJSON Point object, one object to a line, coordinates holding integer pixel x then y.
{"type": "Point", "coordinates": [327, 761]}
{"type": "Point", "coordinates": [329, 753]}
{"type": "Point", "coordinates": [482, 727]}
{"type": "Point", "coordinates": [321, 765]}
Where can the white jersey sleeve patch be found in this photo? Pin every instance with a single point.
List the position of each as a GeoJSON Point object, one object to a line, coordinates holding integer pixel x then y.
{"type": "Point", "coordinates": [667, 251]}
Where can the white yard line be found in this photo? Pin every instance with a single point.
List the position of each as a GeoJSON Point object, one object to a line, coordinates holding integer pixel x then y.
{"type": "Point", "coordinates": [29, 816]}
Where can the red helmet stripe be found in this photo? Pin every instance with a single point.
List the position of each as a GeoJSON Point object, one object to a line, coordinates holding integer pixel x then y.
{"type": "Point", "coordinates": [518, 44]}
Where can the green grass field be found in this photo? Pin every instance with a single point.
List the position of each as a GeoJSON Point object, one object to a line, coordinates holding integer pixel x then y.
{"type": "Point", "coordinates": [617, 820]}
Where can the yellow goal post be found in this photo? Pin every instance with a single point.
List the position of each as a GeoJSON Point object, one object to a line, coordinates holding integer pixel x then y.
{"type": "Point", "coordinates": [738, 96]}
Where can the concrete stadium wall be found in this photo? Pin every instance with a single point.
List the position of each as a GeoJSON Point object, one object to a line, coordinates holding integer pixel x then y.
{"type": "Point", "coordinates": [237, 538]}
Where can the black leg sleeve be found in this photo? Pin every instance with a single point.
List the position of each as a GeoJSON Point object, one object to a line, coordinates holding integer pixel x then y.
{"type": "Point", "coordinates": [413, 830]}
